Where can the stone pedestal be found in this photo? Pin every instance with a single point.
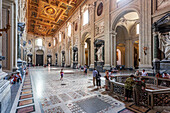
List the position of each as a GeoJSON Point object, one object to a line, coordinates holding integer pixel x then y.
{"type": "Point", "coordinates": [91, 68]}
{"type": "Point", "coordinates": [99, 66]}
{"type": "Point", "coordinates": [5, 93]}
{"type": "Point", "coordinates": [156, 65]}
{"type": "Point", "coordinates": [75, 64]}
{"type": "Point", "coordinates": [165, 65]}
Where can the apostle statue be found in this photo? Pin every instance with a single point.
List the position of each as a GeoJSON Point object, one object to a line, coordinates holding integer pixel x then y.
{"type": "Point", "coordinates": [99, 54]}
{"type": "Point", "coordinates": [164, 45]}
{"type": "Point", "coordinates": [49, 60]}
{"type": "Point", "coordinates": [63, 59]}
{"type": "Point", "coordinates": [29, 59]}
{"type": "Point", "coordinates": [76, 56]}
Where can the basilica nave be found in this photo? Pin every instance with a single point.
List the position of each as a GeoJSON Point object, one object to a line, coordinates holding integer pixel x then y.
{"type": "Point", "coordinates": [50, 49]}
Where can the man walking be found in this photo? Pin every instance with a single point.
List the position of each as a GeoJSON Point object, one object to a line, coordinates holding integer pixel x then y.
{"type": "Point", "coordinates": [94, 76]}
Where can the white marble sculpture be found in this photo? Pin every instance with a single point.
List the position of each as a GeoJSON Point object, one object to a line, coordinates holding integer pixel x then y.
{"type": "Point", "coordinates": [76, 56]}
{"type": "Point", "coordinates": [99, 54]}
{"type": "Point", "coordinates": [63, 58]}
{"type": "Point", "coordinates": [164, 45]}
{"type": "Point", "coordinates": [49, 60]}
{"type": "Point", "coordinates": [29, 59]}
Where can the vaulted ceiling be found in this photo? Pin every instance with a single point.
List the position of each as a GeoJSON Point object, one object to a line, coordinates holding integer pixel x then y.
{"type": "Point", "coordinates": [46, 16]}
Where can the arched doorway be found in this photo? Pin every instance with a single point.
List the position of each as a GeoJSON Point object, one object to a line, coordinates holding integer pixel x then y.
{"type": "Point", "coordinates": [127, 40]}
{"type": "Point", "coordinates": [86, 49]}
{"type": "Point", "coordinates": [87, 52]}
{"type": "Point", "coordinates": [39, 58]}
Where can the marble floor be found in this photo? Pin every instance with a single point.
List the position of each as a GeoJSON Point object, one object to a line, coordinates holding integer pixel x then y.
{"type": "Point", "coordinates": [42, 91]}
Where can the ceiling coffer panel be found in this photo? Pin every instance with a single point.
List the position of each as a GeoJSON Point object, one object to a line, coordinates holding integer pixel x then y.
{"type": "Point", "coordinates": [46, 16]}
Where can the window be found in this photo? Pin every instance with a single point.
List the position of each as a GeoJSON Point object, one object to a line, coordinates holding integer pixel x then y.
{"type": "Point", "coordinates": [59, 37]}
{"type": "Point", "coordinates": [69, 30]}
{"type": "Point", "coordinates": [54, 42]}
{"type": "Point", "coordinates": [38, 42]}
{"type": "Point", "coordinates": [85, 45]}
{"type": "Point", "coordinates": [85, 17]}
{"type": "Point", "coordinates": [137, 29]}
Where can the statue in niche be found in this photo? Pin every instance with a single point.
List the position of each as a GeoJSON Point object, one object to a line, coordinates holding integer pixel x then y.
{"type": "Point", "coordinates": [29, 59]}
{"type": "Point", "coordinates": [49, 60]}
{"type": "Point", "coordinates": [99, 54]}
{"type": "Point", "coordinates": [164, 45]}
{"type": "Point", "coordinates": [63, 59]}
{"type": "Point", "coordinates": [76, 56]}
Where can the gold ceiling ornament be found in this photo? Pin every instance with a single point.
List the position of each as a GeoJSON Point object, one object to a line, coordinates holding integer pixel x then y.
{"type": "Point", "coordinates": [45, 17]}
{"type": "Point", "coordinates": [50, 10]}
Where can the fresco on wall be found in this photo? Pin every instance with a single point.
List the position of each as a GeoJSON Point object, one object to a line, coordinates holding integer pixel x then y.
{"type": "Point", "coordinates": [162, 3]}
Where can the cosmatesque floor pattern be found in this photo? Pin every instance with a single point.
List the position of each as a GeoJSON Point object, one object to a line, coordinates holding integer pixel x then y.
{"type": "Point", "coordinates": [43, 91]}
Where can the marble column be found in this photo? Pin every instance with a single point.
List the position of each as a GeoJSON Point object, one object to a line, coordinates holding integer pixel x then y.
{"type": "Point", "coordinates": [0, 36]}
{"type": "Point", "coordinates": [107, 35]}
{"type": "Point", "coordinates": [114, 50]}
{"type": "Point", "coordinates": [155, 46]}
{"type": "Point", "coordinates": [79, 40]}
{"type": "Point", "coordinates": [82, 55]}
{"type": "Point", "coordinates": [92, 26]}
{"type": "Point", "coordinates": [156, 61]}
{"type": "Point", "coordinates": [15, 37]}
{"type": "Point", "coordinates": [145, 36]}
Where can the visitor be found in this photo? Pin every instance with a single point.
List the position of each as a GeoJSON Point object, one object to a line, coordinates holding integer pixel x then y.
{"type": "Point", "coordinates": [158, 75]}
{"type": "Point", "coordinates": [139, 91]}
{"type": "Point", "coordinates": [18, 77]}
{"type": "Point", "coordinates": [107, 80]}
{"type": "Point", "coordinates": [137, 73]}
{"type": "Point", "coordinates": [144, 73]}
{"type": "Point", "coordinates": [166, 76]}
{"type": "Point", "coordinates": [129, 87]}
{"type": "Point", "coordinates": [94, 76]}
{"type": "Point", "coordinates": [98, 80]}
{"type": "Point", "coordinates": [61, 74]}
{"type": "Point", "coordinates": [85, 69]}
{"type": "Point", "coordinates": [14, 78]}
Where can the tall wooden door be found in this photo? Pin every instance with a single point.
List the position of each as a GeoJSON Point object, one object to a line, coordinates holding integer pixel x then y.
{"type": "Point", "coordinates": [39, 60]}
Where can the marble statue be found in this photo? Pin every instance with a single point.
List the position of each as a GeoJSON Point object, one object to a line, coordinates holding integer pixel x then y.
{"type": "Point", "coordinates": [164, 45]}
{"type": "Point", "coordinates": [29, 59]}
{"type": "Point", "coordinates": [63, 58]}
{"type": "Point", "coordinates": [49, 60]}
{"type": "Point", "coordinates": [99, 54]}
{"type": "Point", "coordinates": [75, 56]}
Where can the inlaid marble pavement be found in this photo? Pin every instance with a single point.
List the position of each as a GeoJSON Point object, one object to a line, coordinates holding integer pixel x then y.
{"type": "Point", "coordinates": [74, 96]}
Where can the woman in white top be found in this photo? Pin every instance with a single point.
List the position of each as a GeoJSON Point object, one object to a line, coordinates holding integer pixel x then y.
{"type": "Point", "coordinates": [144, 73]}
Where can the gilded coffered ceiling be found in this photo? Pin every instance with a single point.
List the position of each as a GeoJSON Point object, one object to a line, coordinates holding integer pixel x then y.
{"type": "Point", "coordinates": [46, 16]}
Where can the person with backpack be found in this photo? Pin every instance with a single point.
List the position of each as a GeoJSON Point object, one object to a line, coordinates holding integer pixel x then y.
{"type": "Point", "coordinates": [98, 80]}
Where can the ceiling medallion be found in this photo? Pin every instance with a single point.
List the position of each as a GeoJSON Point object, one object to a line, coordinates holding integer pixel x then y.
{"type": "Point", "coordinates": [50, 10]}
{"type": "Point", "coordinates": [100, 9]}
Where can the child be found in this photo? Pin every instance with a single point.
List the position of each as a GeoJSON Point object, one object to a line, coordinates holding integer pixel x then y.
{"type": "Point", "coordinates": [61, 73]}
{"type": "Point", "coordinates": [18, 76]}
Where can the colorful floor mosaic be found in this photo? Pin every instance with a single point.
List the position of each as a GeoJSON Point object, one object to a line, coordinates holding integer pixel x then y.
{"type": "Point", "coordinates": [26, 100]}
{"type": "Point", "coordinates": [57, 109]}
{"type": "Point", "coordinates": [28, 109]}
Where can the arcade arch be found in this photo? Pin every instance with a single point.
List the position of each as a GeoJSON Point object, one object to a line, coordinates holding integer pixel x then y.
{"type": "Point", "coordinates": [126, 40]}
{"type": "Point", "coordinates": [86, 49]}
